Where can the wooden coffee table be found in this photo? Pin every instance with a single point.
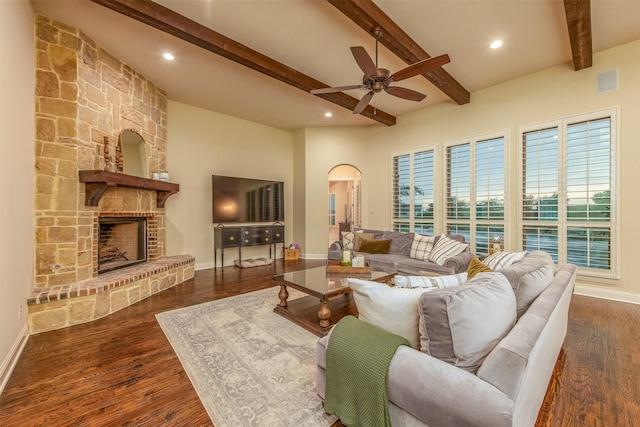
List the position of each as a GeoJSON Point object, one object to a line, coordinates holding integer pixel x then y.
{"type": "Point", "coordinates": [321, 309]}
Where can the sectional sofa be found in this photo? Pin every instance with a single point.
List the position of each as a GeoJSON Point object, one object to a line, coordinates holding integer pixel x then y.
{"type": "Point", "coordinates": [399, 260]}
{"type": "Point", "coordinates": [440, 384]}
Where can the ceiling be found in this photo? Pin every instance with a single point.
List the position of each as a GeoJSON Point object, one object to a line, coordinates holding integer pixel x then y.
{"type": "Point", "coordinates": [314, 37]}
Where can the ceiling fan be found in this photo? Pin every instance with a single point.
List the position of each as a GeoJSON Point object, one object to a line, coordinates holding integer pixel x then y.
{"type": "Point", "coordinates": [376, 79]}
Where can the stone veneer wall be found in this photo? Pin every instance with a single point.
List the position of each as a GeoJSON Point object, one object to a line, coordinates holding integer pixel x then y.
{"type": "Point", "coordinates": [84, 94]}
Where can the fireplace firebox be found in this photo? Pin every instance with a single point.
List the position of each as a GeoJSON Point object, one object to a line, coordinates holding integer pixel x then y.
{"type": "Point", "coordinates": [122, 242]}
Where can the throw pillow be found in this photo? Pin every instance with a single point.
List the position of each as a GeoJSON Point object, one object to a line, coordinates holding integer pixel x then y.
{"type": "Point", "coordinates": [462, 324]}
{"type": "Point", "coordinates": [529, 278]}
{"type": "Point", "coordinates": [430, 281]}
{"type": "Point", "coordinates": [421, 247]}
{"type": "Point", "coordinates": [390, 308]}
{"type": "Point", "coordinates": [347, 240]}
{"type": "Point", "coordinates": [445, 248]}
{"type": "Point", "coordinates": [375, 246]}
{"type": "Point", "coordinates": [358, 236]}
{"type": "Point", "coordinates": [500, 260]}
{"type": "Point", "coordinates": [476, 266]}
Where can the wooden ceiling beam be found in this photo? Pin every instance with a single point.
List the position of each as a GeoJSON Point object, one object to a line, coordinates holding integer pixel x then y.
{"type": "Point", "coordinates": [164, 19]}
{"type": "Point", "coordinates": [578, 13]}
{"type": "Point", "coordinates": [368, 16]}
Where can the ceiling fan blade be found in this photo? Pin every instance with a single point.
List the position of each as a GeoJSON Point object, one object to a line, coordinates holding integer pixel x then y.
{"type": "Point", "coordinates": [364, 61]}
{"type": "Point", "coordinates": [364, 101]}
{"type": "Point", "coordinates": [420, 67]}
{"type": "Point", "coordinates": [335, 89]}
{"type": "Point", "coordinates": [404, 93]}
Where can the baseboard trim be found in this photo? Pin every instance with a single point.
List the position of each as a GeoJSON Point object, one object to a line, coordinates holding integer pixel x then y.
{"type": "Point", "coordinates": [610, 294]}
{"type": "Point", "coordinates": [9, 363]}
{"type": "Point", "coordinates": [204, 265]}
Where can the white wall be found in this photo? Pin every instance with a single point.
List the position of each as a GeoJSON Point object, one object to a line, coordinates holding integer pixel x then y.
{"type": "Point", "coordinates": [17, 169]}
{"type": "Point", "coordinates": [201, 143]}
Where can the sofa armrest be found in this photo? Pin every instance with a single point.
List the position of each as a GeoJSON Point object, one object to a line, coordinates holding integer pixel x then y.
{"type": "Point", "coordinates": [439, 394]}
{"type": "Point", "coordinates": [460, 262]}
{"type": "Point", "coordinates": [335, 252]}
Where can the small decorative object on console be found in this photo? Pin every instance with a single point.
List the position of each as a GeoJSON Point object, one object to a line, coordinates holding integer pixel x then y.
{"type": "Point", "coordinates": [292, 252]}
{"type": "Point", "coordinates": [496, 245]}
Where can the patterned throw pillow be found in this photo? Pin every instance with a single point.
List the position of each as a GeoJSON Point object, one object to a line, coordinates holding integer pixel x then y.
{"type": "Point", "coordinates": [347, 240]}
{"type": "Point", "coordinates": [446, 248]}
{"type": "Point", "coordinates": [476, 266]}
{"type": "Point", "coordinates": [421, 247]}
{"type": "Point", "coordinates": [503, 259]}
{"type": "Point", "coordinates": [430, 281]}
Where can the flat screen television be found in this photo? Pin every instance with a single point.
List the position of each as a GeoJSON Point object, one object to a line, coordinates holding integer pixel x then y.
{"type": "Point", "coordinates": [246, 200]}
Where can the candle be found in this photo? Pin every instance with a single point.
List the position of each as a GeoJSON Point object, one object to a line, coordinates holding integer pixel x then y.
{"type": "Point", "coordinates": [346, 256]}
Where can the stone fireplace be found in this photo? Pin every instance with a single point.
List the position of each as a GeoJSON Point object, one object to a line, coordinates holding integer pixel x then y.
{"type": "Point", "coordinates": [85, 97]}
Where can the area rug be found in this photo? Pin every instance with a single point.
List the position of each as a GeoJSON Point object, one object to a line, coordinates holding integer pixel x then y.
{"type": "Point", "coordinates": [249, 366]}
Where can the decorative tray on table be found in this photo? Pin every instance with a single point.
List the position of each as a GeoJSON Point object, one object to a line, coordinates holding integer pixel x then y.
{"type": "Point", "coordinates": [335, 267]}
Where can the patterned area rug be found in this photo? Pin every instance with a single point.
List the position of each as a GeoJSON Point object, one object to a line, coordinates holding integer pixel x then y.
{"type": "Point", "coordinates": [249, 366]}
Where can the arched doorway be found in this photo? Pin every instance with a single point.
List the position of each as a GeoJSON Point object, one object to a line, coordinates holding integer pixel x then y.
{"type": "Point", "coordinates": [344, 200]}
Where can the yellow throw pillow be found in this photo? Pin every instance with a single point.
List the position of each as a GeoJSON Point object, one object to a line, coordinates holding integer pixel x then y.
{"type": "Point", "coordinates": [476, 266]}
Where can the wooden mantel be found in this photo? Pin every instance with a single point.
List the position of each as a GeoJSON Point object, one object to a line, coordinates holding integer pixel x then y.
{"type": "Point", "coordinates": [98, 181]}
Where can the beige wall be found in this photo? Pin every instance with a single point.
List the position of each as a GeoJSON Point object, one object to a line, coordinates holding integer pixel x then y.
{"type": "Point", "coordinates": [550, 94]}
{"type": "Point", "coordinates": [326, 148]}
{"type": "Point", "coordinates": [202, 143]}
{"type": "Point", "coordinates": [16, 175]}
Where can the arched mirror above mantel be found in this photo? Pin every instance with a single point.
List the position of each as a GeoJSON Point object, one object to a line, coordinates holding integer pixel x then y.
{"type": "Point", "coordinates": [134, 153]}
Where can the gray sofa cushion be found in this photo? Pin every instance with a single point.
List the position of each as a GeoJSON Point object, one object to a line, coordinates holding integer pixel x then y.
{"type": "Point", "coordinates": [462, 324]}
{"type": "Point", "coordinates": [400, 242]}
{"type": "Point", "coordinates": [529, 278]}
{"type": "Point", "coordinates": [384, 262]}
{"type": "Point", "coordinates": [413, 267]}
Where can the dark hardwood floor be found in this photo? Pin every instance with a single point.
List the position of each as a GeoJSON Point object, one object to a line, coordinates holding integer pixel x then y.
{"type": "Point", "coordinates": [122, 371]}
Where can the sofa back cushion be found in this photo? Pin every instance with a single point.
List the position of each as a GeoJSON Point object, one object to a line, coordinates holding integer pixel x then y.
{"type": "Point", "coordinates": [400, 242]}
{"type": "Point", "coordinates": [462, 324]}
{"type": "Point", "coordinates": [529, 278]}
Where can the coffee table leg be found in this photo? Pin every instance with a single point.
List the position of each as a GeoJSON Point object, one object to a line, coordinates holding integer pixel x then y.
{"type": "Point", "coordinates": [324, 313]}
{"type": "Point", "coordinates": [283, 294]}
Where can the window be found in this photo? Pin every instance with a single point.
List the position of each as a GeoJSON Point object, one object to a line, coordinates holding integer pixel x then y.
{"type": "Point", "coordinates": [413, 192]}
{"type": "Point", "coordinates": [567, 205]}
{"type": "Point", "coordinates": [332, 209]}
{"type": "Point", "coordinates": [475, 188]}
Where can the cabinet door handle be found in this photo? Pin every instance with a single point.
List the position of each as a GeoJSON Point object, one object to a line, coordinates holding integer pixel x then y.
{"type": "Point", "coordinates": [266, 239]}
{"type": "Point", "coordinates": [246, 232]}
{"type": "Point", "coordinates": [266, 231]}
{"type": "Point", "coordinates": [246, 240]}
{"type": "Point", "coordinates": [231, 238]}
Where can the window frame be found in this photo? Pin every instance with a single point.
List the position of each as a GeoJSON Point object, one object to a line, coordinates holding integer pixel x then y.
{"type": "Point", "coordinates": [411, 221]}
{"type": "Point", "coordinates": [563, 224]}
{"type": "Point", "coordinates": [473, 222]}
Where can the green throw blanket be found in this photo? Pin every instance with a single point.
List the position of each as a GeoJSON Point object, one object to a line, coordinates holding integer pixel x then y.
{"type": "Point", "coordinates": [358, 358]}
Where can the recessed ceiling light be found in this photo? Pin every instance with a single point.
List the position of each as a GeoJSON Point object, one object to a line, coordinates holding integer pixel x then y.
{"type": "Point", "coordinates": [495, 44]}
{"type": "Point", "coordinates": [168, 56]}
{"type": "Point", "coordinates": [328, 114]}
